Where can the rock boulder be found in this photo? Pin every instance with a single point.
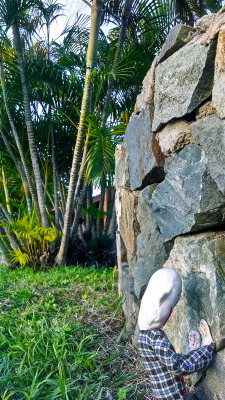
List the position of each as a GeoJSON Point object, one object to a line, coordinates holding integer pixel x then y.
{"type": "Point", "coordinates": [174, 136]}
{"type": "Point", "coordinates": [121, 171]}
{"type": "Point", "coordinates": [151, 251]}
{"type": "Point", "coordinates": [143, 166]}
{"type": "Point", "coordinates": [177, 38]}
{"type": "Point", "coordinates": [218, 93]}
{"type": "Point", "coordinates": [188, 199]}
{"type": "Point", "coordinates": [209, 132]}
{"type": "Point", "coordinates": [200, 260]}
{"type": "Point", "coordinates": [181, 86]}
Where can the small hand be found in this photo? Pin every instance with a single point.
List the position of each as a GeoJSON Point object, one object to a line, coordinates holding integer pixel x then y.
{"type": "Point", "coordinates": [194, 340]}
{"type": "Point", "coordinates": [205, 333]}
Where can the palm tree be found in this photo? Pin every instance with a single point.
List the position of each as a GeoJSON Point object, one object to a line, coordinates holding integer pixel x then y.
{"type": "Point", "coordinates": [11, 12]}
{"type": "Point", "coordinates": [50, 11]}
{"type": "Point", "coordinates": [85, 110]}
{"type": "Point", "coordinates": [26, 174]}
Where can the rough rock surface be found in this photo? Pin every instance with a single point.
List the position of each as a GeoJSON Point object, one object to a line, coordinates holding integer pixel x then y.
{"type": "Point", "coordinates": [205, 22]}
{"type": "Point", "coordinates": [210, 134]}
{"type": "Point", "coordinates": [130, 308]}
{"type": "Point", "coordinates": [200, 260]}
{"type": "Point", "coordinates": [177, 38]}
{"type": "Point", "coordinates": [172, 211]}
{"type": "Point", "coordinates": [146, 97]}
{"type": "Point", "coordinates": [151, 251]}
{"type": "Point", "coordinates": [212, 31]}
{"type": "Point", "coordinates": [121, 171]}
{"type": "Point", "coordinates": [143, 167]}
{"type": "Point", "coordinates": [218, 93]}
{"type": "Point", "coordinates": [205, 110]}
{"type": "Point", "coordinates": [185, 84]}
{"type": "Point", "coordinates": [126, 208]}
{"type": "Point", "coordinates": [174, 136]}
{"type": "Point", "coordinates": [188, 199]}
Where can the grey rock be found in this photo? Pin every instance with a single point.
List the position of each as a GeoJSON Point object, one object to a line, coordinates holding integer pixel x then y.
{"type": "Point", "coordinates": [121, 170]}
{"type": "Point", "coordinates": [209, 132]}
{"type": "Point", "coordinates": [188, 199]}
{"type": "Point", "coordinates": [213, 387]}
{"type": "Point", "coordinates": [218, 93]}
{"type": "Point", "coordinates": [177, 38]}
{"type": "Point", "coordinates": [183, 82]}
{"type": "Point", "coordinates": [151, 251]}
{"type": "Point", "coordinates": [146, 97]}
{"type": "Point", "coordinates": [143, 167]}
{"type": "Point", "coordinates": [200, 260]}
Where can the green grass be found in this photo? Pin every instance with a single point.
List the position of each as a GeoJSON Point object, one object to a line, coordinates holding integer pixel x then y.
{"type": "Point", "coordinates": [60, 336]}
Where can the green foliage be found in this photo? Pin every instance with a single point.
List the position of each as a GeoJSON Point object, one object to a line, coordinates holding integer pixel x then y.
{"type": "Point", "coordinates": [53, 335]}
{"type": "Point", "coordinates": [94, 211]}
{"type": "Point", "coordinates": [100, 160]}
{"type": "Point", "coordinates": [19, 257]}
{"type": "Point", "coordinates": [102, 242]}
{"type": "Point", "coordinates": [190, 10]}
{"type": "Point", "coordinates": [35, 239]}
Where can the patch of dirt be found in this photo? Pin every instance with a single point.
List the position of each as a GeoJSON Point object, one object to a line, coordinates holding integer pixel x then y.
{"type": "Point", "coordinates": [128, 360]}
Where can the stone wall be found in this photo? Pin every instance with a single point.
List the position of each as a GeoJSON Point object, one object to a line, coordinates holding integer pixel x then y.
{"type": "Point", "coordinates": [170, 179]}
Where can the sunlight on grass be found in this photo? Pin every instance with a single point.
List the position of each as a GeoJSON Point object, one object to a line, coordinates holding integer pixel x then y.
{"type": "Point", "coordinates": [56, 335]}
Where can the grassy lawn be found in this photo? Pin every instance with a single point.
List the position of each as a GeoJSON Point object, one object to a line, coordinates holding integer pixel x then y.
{"type": "Point", "coordinates": [62, 337]}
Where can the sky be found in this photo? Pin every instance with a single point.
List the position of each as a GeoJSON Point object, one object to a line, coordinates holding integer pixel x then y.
{"type": "Point", "coordinates": [71, 8]}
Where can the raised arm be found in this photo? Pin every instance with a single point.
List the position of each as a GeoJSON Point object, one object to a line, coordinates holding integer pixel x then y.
{"type": "Point", "coordinates": [179, 364]}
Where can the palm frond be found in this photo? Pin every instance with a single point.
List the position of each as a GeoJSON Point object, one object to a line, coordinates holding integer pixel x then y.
{"type": "Point", "coordinates": [100, 161]}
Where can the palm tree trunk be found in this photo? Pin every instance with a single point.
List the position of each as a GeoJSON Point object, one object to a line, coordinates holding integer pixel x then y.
{"type": "Point", "coordinates": [6, 190]}
{"type": "Point", "coordinates": [14, 242]}
{"type": "Point", "coordinates": [101, 206]}
{"type": "Point", "coordinates": [29, 125]}
{"type": "Point", "coordinates": [54, 172]}
{"type": "Point", "coordinates": [112, 225]}
{"type": "Point", "coordinates": [81, 134]}
{"type": "Point", "coordinates": [82, 167]}
{"type": "Point", "coordinates": [6, 214]}
{"type": "Point", "coordinates": [109, 210]}
{"type": "Point", "coordinates": [80, 204]}
{"type": "Point", "coordinates": [89, 216]}
{"type": "Point", "coordinates": [62, 197]}
{"type": "Point", "coordinates": [18, 144]}
{"type": "Point", "coordinates": [4, 250]}
{"type": "Point", "coordinates": [20, 170]}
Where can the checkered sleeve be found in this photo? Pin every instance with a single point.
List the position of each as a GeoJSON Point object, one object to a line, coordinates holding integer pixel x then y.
{"type": "Point", "coordinates": [179, 364]}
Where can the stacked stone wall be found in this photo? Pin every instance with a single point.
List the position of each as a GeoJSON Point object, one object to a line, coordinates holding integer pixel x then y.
{"type": "Point", "coordinates": [170, 187]}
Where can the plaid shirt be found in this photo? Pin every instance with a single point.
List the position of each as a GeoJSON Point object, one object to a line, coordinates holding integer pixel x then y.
{"type": "Point", "coordinates": [165, 367]}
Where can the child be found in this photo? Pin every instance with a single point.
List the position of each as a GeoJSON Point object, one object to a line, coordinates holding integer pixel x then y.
{"type": "Point", "coordinates": [165, 367]}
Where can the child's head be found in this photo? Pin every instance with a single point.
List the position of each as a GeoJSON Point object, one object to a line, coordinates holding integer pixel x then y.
{"type": "Point", "coordinates": [161, 296]}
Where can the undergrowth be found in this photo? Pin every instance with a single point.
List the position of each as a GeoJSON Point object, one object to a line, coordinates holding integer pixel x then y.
{"type": "Point", "coordinates": [62, 337]}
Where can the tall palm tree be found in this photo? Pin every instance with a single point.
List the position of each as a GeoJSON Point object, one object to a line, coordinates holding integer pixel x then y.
{"type": "Point", "coordinates": [50, 11]}
{"type": "Point", "coordinates": [85, 110]}
{"type": "Point", "coordinates": [12, 11]}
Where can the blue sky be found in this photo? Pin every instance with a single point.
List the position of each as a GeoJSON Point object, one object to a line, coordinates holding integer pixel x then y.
{"type": "Point", "coordinates": [71, 8]}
